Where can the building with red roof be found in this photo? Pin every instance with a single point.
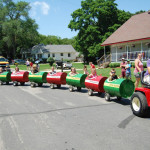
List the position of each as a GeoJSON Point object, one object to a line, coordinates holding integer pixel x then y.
{"type": "Point", "coordinates": [131, 38]}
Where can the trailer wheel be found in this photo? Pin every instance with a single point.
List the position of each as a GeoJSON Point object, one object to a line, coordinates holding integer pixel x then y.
{"type": "Point", "coordinates": [52, 86]}
{"type": "Point", "coordinates": [7, 83]}
{"type": "Point", "coordinates": [22, 83]}
{"type": "Point", "coordinates": [78, 88]}
{"type": "Point", "coordinates": [1, 83]}
{"type": "Point", "coordinates": [90, 92]}
{"type": "Point", "coordinates": [118, 98]}
{"type": "Point", "coordinates": [139, 104]}
{"type": "Point", "coordinates": [107, 97]}
{"type": "Point", "coordinates": [15, 83]}
{"type": "Point", "coordinates": [58, 86]}
{"type": "Point", "coordinates": [71, 88]}
{"type": "Point", "coordinates": [40, 84]}
{"type": "Point", "coordinates": [99, 93]}
{"type": "Point", "coordinates": [32, 84]}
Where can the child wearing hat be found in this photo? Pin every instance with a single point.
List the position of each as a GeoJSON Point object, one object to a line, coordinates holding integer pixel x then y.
{"type": "Point", "coordinates": [128, 69]}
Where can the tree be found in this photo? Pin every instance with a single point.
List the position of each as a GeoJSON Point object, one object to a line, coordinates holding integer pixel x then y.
{"type": "Point", "coordinates": [50, 60]}
{"type": "Point", "coordinates": [55, 40]}
{"type": "Point", "coordinates": [18, 30]}
{"type": "Point", "coordinates": [95, 21]}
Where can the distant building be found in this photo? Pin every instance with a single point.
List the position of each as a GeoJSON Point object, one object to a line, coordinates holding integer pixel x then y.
{"type": "Point", "coordinates": [131, 38]}
{"type": "Point", "coordinates": [56, 51]}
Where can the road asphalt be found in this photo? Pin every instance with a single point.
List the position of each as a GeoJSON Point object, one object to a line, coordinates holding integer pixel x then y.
{"type": "Point", "coordinates": [41, 118]}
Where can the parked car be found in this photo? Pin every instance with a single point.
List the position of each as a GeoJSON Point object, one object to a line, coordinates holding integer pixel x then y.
{"type": "Point", "coordinates": [65, 64]}
{"type": "Point", "coordinates": [4, 64]}
{"type": "Point", "coordinates": [38, 61]}
{"type": "Point", "coordinates": [19, 61]}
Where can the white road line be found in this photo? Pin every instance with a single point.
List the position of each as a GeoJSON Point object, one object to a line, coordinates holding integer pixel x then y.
{"type": "Point", "coordinates": [14, 127]}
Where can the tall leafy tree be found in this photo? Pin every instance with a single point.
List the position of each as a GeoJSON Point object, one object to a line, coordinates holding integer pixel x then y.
{"type": "Point", "coordinates": [95, 21]}
{"type": "Point", "coordinates": [17, 28]}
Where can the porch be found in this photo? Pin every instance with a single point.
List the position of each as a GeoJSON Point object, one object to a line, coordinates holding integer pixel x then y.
{"type": "Point", "coordinates": [117, 57]}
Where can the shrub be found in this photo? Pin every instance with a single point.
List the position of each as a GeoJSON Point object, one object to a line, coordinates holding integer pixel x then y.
{"type": "Point", "coordinates": [66, 60]}
{"type": "Point", "coordinates": [44, 60]}
{"type": "Point", "coordinates": [50, 60]}
{"type": "Point", "coordinates": [114, 65]}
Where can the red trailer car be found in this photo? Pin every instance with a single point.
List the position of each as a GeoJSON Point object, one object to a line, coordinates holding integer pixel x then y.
{"type": "Point", "coordinates": [95, 84]}
{"type": "Point", "coordinates": [58, 79]}
{"type": "Point", "coordinates": [21, 76]}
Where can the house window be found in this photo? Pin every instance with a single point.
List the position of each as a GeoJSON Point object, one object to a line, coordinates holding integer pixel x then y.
{"type": "Point", "coordinates": [69, 55]}
{"type": "Point", "coordinates": [53, 54]}
{"type": "Point", "coordinates": [61, 54]}
{"type": "Point", "coordinates": [39, 55]}
{"type": "Point", "coordinates": [48, 55]}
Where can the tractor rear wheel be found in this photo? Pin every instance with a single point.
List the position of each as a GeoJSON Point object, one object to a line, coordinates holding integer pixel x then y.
{"type": "Point", "coordinates": [139, 104]}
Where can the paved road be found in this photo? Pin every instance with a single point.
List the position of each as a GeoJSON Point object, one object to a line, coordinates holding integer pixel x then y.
{"type": "Point", "coordinates": [45, 119]}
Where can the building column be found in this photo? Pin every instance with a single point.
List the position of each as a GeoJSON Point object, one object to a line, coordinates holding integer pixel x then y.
{"type": "Point", "coordinates": [104, 54]}
{"type": "Point", "coordinates": [116, 53]}
{"type": "Point", "coordinates": [127, 51]}
{"type": "Point", "coordinates": [142, 49]}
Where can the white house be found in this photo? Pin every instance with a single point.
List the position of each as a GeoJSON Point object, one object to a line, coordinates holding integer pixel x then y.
{"type": "Point", "coordinates": [131, 38]}
{"type": "Point", "coordinates": [56, 51]}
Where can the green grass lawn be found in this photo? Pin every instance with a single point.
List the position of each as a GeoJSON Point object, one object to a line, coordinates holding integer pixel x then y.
{"type": "Point", "coordinates": [105, 72]}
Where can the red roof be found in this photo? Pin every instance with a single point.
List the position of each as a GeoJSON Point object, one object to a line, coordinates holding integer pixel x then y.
{"type": "Point", "coordinates": [134, 29]}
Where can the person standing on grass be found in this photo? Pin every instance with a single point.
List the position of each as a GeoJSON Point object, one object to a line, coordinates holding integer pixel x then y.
{"type": "Point", "coordinates": [128, 70]}
{"type": "Point", "coordinates": [31, 64]}
{"type": "Point", "coordinates": [27, 64]}
{"type": "Point", "coordinates": [138, 69]}
{"type": "Point", "coordinates": [122, 66]}
{"type": "Point", "coordinates": [91, 65]}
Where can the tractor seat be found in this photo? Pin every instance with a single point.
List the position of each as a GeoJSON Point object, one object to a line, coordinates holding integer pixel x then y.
{"type": "Point", "coordinates": [142, 80]}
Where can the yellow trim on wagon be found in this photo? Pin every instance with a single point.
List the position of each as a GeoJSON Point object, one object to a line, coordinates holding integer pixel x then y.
{"type": "Point", "coordinates": [35, 76]}
{"type": "Point", "coordinates": [74, 78]}
{"type": "Point", "coordinates": [2, 75]}
{"type": "Point", "coordinates": [112, 85]}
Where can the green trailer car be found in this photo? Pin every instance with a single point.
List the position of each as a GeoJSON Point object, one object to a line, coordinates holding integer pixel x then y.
{"type": "Point", "coordinates": [5, 77]}
{"type": "Point", "coordinates": [121, 88]}
{"type": "Point", "coordinates": [77, 80]}
{"type": "Point", "coordinates": [37, 78]}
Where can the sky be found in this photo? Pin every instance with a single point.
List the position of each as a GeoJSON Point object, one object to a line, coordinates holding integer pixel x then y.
{"type": "Point", "coordinates": [53, 16]}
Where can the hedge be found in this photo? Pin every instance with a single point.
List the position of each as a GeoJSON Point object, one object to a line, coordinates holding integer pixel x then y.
{"type": "Point", "coordinates": [114, 65]}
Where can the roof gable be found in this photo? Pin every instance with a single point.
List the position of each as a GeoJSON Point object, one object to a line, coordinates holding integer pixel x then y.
{"type": "Point", "coordinates": [60, 48]}
{"type": "Point", "coordinates": [136, 28]}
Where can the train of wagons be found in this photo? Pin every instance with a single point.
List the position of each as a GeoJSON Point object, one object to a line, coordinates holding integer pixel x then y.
{"type": "Point", "coordinates": [120, 88]}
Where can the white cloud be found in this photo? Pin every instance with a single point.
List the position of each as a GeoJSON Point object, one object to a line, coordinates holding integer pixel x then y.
{"type": "Point", "coordinates": [43, 6]}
